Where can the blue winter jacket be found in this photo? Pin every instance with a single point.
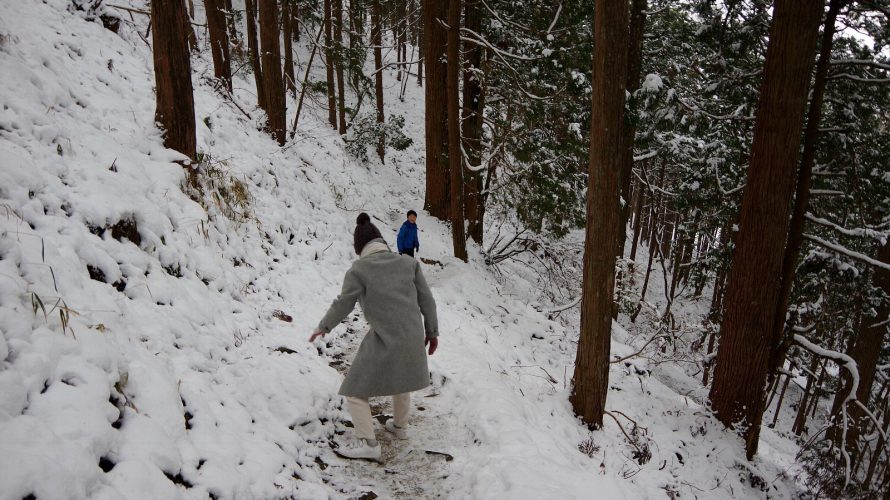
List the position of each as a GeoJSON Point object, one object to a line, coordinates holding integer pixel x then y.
{"type": "Point", "coordinates": [407, 239]}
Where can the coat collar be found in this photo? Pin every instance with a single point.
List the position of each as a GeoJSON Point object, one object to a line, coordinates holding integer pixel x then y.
{"type": "Point", "coordinates": [374, 246]}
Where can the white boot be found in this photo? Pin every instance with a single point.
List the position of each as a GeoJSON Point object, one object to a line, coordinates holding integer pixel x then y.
{"type": "Point", "coordinates": [398, 432]}
{"type": "Point", "coordinates": [359, 448]}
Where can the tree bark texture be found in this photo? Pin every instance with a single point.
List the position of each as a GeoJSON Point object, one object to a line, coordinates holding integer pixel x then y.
{"type": "Point", "coordinates": [590, 381]}
{"type": "Point", "coordinates": [287, 25]}
{"type": "Point", "coordinates": [274, 85]}
{"type": "Point", "coordinates": [175, 111]}
{"type": "Point", "coordinates": [471, 117]}
{"type": "Point", "coordinates": [455, 157]}
{"type": "Point", "coordinates": [752, 291]}
{"type": "Point", "coordinates": [804, 175]}
{"type": "Point", "coordinates": [437, 201]}
{"type": "Point", "coordinates": [219, 42]}
{"type": "Point", "coordinates": [634, 64]}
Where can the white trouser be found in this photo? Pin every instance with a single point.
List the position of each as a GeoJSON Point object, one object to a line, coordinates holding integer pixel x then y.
{"type": "Point", "coordinates": [360, 411]}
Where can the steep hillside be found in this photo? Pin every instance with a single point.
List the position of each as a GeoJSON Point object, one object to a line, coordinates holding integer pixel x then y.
{"type": "Point", "coordinates": [152, 346]}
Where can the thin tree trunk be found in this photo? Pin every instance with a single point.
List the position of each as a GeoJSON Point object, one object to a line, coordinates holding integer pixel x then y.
{"type": "Point", "coordinates": [287, 24]}
{"type": "Point", "coordinates": [399, 38]}
{"type": "Point", "coordinates": [634, 63]}
{"type": "Point", "coordinates": [295, 20]}
{"type": "Point", "coordinates": [329, 65]}
{"type": "Point", "coordinates": [175, 109]}
{"type": "Point", "coordinates": [293, 131]}
{"type": "Point", "coordinates": [879, 447]}
{"type": "Point", "coordinates": [455, 157]}
{"type": "Point", "coordinates": [253, 48]}
{"type": "Point", "coordinates": [274, 84]}
{"type": "Point", "coordinates": [814, 399]}
{"type": "Point", "coordinates": [421, 27]}
{"type": "Point", "coordinates": [377, 40]}
{"type": "Point", "coordinates": [219, 42]}
{"type": "Point", "coordinates": [800, 421]}
{"type": "Point", "coordinates": [638, 209]}
{"type": "Point", "coordinates": [865, 351]}
{"type": "Point", "coordinates": [472, 117]}
{"type": "Point", "coordinates": [779, 402]}
{"type": "Point", "coordinates": [707, 369]}
{"type": "Point", "coordinates": [193, 38]}
{"type": "Point", "coordinates": [231, 25]}
{"type": "Point", "coordinates": [338, 60]}
{"type": "Point", "coordinates": [590, 381]}
{"type": "Point", "coordinates": [745, 339]}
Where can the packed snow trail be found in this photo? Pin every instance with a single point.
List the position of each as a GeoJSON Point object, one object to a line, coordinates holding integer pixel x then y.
{"type": "Point", "coordinates": [411, 468]}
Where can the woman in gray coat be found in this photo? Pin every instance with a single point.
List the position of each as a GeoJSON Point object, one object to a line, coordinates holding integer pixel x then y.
{"type": "Point", "coordinates": [391, 360]}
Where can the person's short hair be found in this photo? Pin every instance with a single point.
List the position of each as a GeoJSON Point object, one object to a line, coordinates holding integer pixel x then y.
{"type": "Point", "coordinates": [412, 212]}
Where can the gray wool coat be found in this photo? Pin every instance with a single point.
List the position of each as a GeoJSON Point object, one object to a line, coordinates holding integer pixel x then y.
{"type": "Point", "coordinates": [394, 295]}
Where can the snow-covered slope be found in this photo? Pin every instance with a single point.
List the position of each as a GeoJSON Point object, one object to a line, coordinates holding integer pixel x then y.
{"type": "Point", "coordinates": [141, 354]}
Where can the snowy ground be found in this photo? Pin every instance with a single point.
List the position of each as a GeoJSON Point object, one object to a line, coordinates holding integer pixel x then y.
{"type": "Point", "coordinates": [141, 355]}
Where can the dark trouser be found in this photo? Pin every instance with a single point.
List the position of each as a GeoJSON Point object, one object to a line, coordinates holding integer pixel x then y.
{"type": "Point", "coordinates": [407, 252]}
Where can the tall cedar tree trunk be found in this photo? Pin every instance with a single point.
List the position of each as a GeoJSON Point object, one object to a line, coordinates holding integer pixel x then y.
{"type": "Point", "coordinates": [219, 42]}
{"type": "Point", "coordinates": [287, 24]}
{"type": "Point", "coordinates": [274, 85]}
{"type": "Point", "coordinates": [455, 158]}
{"type": "Point", "coordinates": [590, 382]}
{"type": "Point", "coordinates": [804, 175]}
{"type": "Point", "coordinates": [377, 41]}
{"type": "Point", "coordinates": [634, 63]}
{"type": "Point", "coordinates": [253, 48]}
{"type": "Point", "coordinates": [175, 111]}
{"type": "Point", "coordinates": [745, 339]}
{"type": "Point", "coordinates": [865, 351]}
{"type": "Point", "coordinates": [338, 60]}
{"type": "Point", "coordinates": [329, 65]}
{"type": "Point", "coordinates": [472, 116]}
{"type": "Point", "coordinates": [436, 201]}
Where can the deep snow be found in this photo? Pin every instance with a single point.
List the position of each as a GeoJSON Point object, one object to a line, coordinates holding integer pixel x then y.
{"type": "Point", "coordinates": [173, 378]}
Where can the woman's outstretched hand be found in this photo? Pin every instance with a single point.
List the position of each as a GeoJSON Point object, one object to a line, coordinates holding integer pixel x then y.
{"type": "Point", "coordinates": [433, 342]}
{"type": "Point", "coordinates": [316, 334]}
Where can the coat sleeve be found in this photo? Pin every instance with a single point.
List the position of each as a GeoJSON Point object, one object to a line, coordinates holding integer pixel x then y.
{"type": "Point", "coordinates": [427, 303]}
{"type": "Point", "coordinates": [344, 303]}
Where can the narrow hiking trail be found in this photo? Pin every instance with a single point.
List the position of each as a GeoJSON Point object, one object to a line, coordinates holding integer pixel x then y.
{"type": "Point", "coordinates": [417, 467]}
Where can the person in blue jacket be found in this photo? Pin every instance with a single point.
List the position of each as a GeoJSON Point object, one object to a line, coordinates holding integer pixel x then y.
{"type": "Point", "coordinates": [408, 242]}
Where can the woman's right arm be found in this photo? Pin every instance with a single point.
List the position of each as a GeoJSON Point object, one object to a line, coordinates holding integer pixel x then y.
{"type": "Point", "coordinates": [343, 304]}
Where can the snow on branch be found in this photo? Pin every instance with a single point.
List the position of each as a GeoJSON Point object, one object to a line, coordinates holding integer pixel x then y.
{"type": "Point", "coordinates": [652, 188]}
{"type": "Point", "coordinates": [855, 78]}
{"type": "Point", "coordinates": [870, 233]}
{"type": "Point", "coordinates": [846, 251]}
{"type": "Point", "coordinates": [861, 62]}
